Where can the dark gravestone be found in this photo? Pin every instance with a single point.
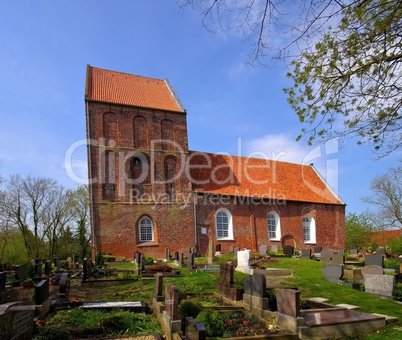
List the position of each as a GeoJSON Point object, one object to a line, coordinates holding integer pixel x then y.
{"type": "Point", "coordinates": [226, 275]}
{"type": "Point", "coordinates": [306, 253]}
{"type": "Point", "coordinates": [172, 301]}
{"type": "Point", "coordinates": [21, 272]}
{"type": "Point", "coordinates": [42, 292]}
{"type": "Point", "coordinates": [288, 302]}
{"type": "Point", "coordinates": [48, 267]}
{"type": "Point", "coordinates": [37, 261]}
{"type": "Point", "coordinates": [181, 259]}
{"type": "Point", "coordinates": [190, 261]}
{"type": "Point", "coordinates": [167, 254]}
{"type": "Point", "coordinates": [338, 259]}
{"type": "Point", "coordinates": [64, 289]}
{"type": "Point", "coordinates": [317, 250]}
{"type": "Point", "coordinates": [57, 263]}
{"type": "Point", "coordinates": [333, 272]}
{"type": "Point", "coordinates": [16, 321]}
{"type": "Point", "coordinates": [374, 260]}
{"type": "Point", "coordinates": [262, 249]}
{"type": "Point", "coordinates": [176, 256]}
{"type": "Point", "coordinates": [158, 290]}
{"type": "Point", "coordinates": [255, 285]}
{"type": "Point", "coordinates": [218, 248]}
{"type": "Point", "coordinates": [288, 250]}
{"type": "Point", "coordinates": [326, 254]}
{"type": "Point", "coordinates": [3, 281]}
{"type": "Point", "coordinates": [194, 330]}
{"type": "Point", "coordinates": [38, 269]}
{"type": "Point", "coordinates": [142, 264]}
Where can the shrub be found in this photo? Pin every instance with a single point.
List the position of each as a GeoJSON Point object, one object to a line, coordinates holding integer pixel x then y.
{"type": "Point", "coordinates": [213, 323]}
{"type": "Point", "coordinates": [189, 307]}
{"type": "Point", "coordinates": [391, 264]}
{"type": "Point", "coordinates": [149, 261]}
{"type": "Point", "coordinates": [398, 292]}
{"type": "Point", "coordinates": [109, 258]}
{"type": "Point", "coordinates": [114, 323]}
{"type": "Point", "coordinates": [54, 332]}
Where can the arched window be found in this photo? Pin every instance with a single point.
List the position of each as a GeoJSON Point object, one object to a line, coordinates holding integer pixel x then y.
{"type": "Point", "coordinates": [308, 226]}
{"type": "Point", "coordinates": [146, 230]}
{"type": "Point", "coordinates": [167, 134]}
{"type": "Point", "coordinates": [108, 175]}
{"type": "Point", "coordinates": [274, 227]}
{"type": "Point", "coordinates": [224, 226]}
{"type": "Point", "coordinates": [170, 176]}
{"type": "Point", "coordinates": [140, 132]}
{"type": "Point", "coordinates": [139, 171]}
{"type": "Point", "coordinates": [110, 128]}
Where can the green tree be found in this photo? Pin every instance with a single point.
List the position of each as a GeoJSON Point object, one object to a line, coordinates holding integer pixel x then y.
{"type": "Point", "coordinates": [358, 229]}
{"type": "Point", "coordinates": [346, 61]}
{"type": "Point", "coordinates": [79, 205]}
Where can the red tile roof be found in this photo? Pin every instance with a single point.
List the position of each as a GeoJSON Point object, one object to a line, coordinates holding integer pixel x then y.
{"type": "Point", "coordinates": [382, 237]}
{"type": "Point", "coordinates": [257, 177]}
{"type": "Point", "coordinates": [127, 89]}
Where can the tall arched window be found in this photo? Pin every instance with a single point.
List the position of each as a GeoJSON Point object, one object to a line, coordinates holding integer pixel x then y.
{"type": "Point", "coordinates": [167, 134]}
{"type": "Point", "coordinates": [274, 227]}
{"type": "Point", "coordinates": [140, 132]}
{"type": "Point", "coordinates": [108, 175]}
{"type": "Point", "coordinates": [224, 226]}
{"type": "Point", "coordinates": [110, 128]}
{"type": "Point", "coordinates": [308, 226]}
{"type": "Point", "coordinates": [146, 230]}
{"type": "Point", "coordinates": [170, 176]}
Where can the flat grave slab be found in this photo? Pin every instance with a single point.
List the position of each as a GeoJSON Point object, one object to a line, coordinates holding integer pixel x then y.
{"type": "Point", "coordinates": [131, 305]}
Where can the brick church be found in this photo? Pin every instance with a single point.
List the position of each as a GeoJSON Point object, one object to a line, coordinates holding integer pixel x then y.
{"type": "Point", "coordinates": [150, 192]}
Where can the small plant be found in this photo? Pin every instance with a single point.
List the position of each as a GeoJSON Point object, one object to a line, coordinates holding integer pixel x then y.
{"type": "Point", "coordinates": [53, 332]}
{"type": "Point", "coordinates": [189, 307]}
{"type": "Point", "coordinates": [398, 292]}
{"type": "Point", "coordinates": [149, 261]}
{"type": "Point", "coordinates": [213, 323]}
{"type": "Point", "coordinates": [55, 279]}
{"type": "Point", "coordinates": [109, 258]}
{"type": "Point", "coordinates": [391, 264]}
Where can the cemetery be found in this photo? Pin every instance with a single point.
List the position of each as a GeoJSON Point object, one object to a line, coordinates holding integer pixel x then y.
{"type": "Point", "coordinates": [239, 294]}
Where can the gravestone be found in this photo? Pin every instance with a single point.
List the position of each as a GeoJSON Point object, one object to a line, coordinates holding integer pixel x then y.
{"type": "Point", "coordinates": [226, 275]}
{"type": "Point", "coordinates": [373, 270]}
{"type": "Point", "coordinates": [353, 252]}
{"type": "Point", "coordinates": [21, 272]}
{"type": "Point", "coordinates": [306, 253]}
{"type": "Point", "coordinates": [48, 267]}
{"type": "Point", "coordinates": [142, 263]}
{"type": "Point", "coordinates": [210, 252]}
{"type": "Point", "coordinates": [235, 250]}
{"type": "Point", "coordinates": [3, 281]}
{"type": "Point", "coordinates": [167, 254]}
{"type": "Point", "coordinates": [171, 312]}
{"type": "Point", "coordinates": [288, 302]}
{"type": "Point", "coordinates": [382, 285]}
{"type": "Point", "coordinates": [158, 290]}
{"type": "Point", "coordinates": [380, 251]}
{"type": "Point", "coordinates": [326, 254]}
{"type": "Point", "coordinates": [16, 320]}
{"type": "Point", "coordinates": [190, 261]}
{"type": "Point", "coordinates": [42, 301]}
{"type": "Point", "coordinates": [338, 259]}
{"type": "Point", "coordinates": [317, 250]}
{"type": "Point", "coordinates": [333, 272]}
{"type": "Point", "coordinates": [218, 248]}
{"type": "Point", "coordinates": [288, 250]}
{"type": "Point", "coordinates": [255, 293]}
{"type": "Point", "coordinates": [194, 330]}
{"type": "Point", "coordinates": [341, 251]}
{"type": "Point", "coordinates": [64, 289]}
{"type": "Point", "coordinates": [274, 248]}
{"type": "Point", "coordinates": [38, 269]}
{"type": "Point", "coordinates": [86, 269]}
{"type": "Point", "coordinates": [363, 251]}
{"type": "Point", "coordinates": [69, 261]}
{"type": "Point", "coordinates": [181, 259]}
{"type": "Point", "coordinates": [231, 249]}
{"type": "Point", "coordinates": [374, 260]}
{"type": "Point", "coordinates": [57, 262]}
{"type": "Point", "coordinates": [262, 249]}
{"type": "Point", "coordinates": [243, 259]}
{"type": "Point", "coordinates": [176, 256]}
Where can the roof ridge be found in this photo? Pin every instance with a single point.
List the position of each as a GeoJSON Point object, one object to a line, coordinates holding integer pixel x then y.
{"type": "Point", "coordinates": [126, 73]}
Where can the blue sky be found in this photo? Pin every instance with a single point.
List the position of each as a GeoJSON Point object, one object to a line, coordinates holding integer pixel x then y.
{"type": "Point", "coordinates": [231, 108]}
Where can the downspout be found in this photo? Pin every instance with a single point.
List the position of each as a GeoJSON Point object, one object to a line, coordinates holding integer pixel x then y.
{"type": "Point", "coordinates": [195, 220]}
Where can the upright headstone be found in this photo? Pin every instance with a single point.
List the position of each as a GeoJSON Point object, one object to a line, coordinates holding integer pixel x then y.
{"type": "Point", "coordinates": [176, 256]}
{"type": "Point", "coordinates": [21, 272]}
{"type": "Point", "coordinates": [333, 272]}
{"type": "Point", "coordinates": [341, 251]}
{"type": "Point", "coordinates": [181, 259]}
{"type": "Point", "coordinates": [243, 259]}
{"type": "Point", "coordinates": [374, 260]}
{"type": "Point", "coordinates": [274, 248]}
{"type": "Point", "coordinates": [326, 254]}
{"type": "Point", "coordinates": [373, 270]}
{"type": "Point", "coordinates": [85, 274]}
{"type": "Point", "coordinates": [69, 261]}
{"type": "Point", "coordinates": [57, 262]}
{"type": "Point", "coordinates": [218, 248]}
{"type": "Point", "coordinates": [317, 250]}
{"type": "Point", "coordinates": [211, 252]}
{"type": "Point", "coordinates": [306, 253]}
{"type": "Point", "coordinates": [16, 320]}
{"type": "Point", "coordinates": [172, 301]}
{"type": "Point", "coordinates": [379, 284]}
{"type": "Point", "coordinates": [42, 297]}
{"type": "Point", "coordinates": [64, 289]}
{"type": "Point", "coordinates": [338, 259]}
{"type": "Point", "coordinates": [48, 267]}
{"type": "Point", "coordinates": [158, 291]}
{"type": "Point", "coordinates": [142, 264]}
{"type": "Point", "coordinates": [288, 250]}
{"type": "Point", "coordinates": [263, 249]}
{"type": "Point", "coordinates": [231, 249]}
{"type": "Point", "coordinates": [288, 302]}
{"type": "Point", "coordinates": [235, 250]}
{"type": "Point", "coordinates": [190, 261]}
{"type": "Point", "coordinates": [353, 252]}
{"type": "Point", "coordinates": [380, 251]}
{"type": "Point", "coordinates": [38, 269]}
{"type": "Point", "coordinates": [3, 281]}
{"type": "Point", "coordinates": [167, 254]}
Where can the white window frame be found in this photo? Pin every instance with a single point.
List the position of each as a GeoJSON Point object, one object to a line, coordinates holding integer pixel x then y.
{"type": "Point", "coordinates": [277, 226]}
{"type": "Point", "coordinates": [229, 225]}
{"type": "Point", "coordinates": [312, 230]}
{"type": "Point", "coordinates": [146, 233]}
